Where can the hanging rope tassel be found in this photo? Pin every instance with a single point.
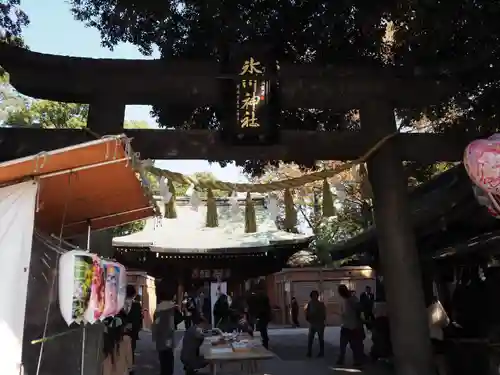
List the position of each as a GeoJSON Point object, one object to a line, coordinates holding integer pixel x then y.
{"type": "Point", "coordinates": [250, 221]}
{"type": "Point", "coordinates": [365, 188]}
{"type": "Point", "coordinates": [170, 211]}
{"type": "Point", "coordinates": [212, 219]}
{"type": "Point", "coordinates": [328, 207]}
{"type": "Point", "coordinates": [290, 212]}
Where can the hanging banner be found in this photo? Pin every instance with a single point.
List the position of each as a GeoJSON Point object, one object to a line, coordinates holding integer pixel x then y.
{"type": "Point", "coordinates": [17, 215]}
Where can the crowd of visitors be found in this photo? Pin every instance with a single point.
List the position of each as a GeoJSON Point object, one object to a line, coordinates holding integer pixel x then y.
{"type": "Point", "coordinates": [241, 313]}
{"type": "Point", "coordinates": [252, 312]}
{"type": "Point", "coordinates": [354, 313]}
{"type": "Point", "coordinates": [244, 313]}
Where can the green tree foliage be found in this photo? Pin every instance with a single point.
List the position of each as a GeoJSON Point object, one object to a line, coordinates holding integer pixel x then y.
{"type": "Point", "coordinates": [330, 31]}
{"type": "Point", "coordinates": [52, 115]}
{"type": "Point", "coordinates": [136, 124]}
{"type": "Point", "coordinates": [125, 230]}
{"type": "Point", "coordinates": [347, 221]}
{"type": "Point", "coordinates": [49, 114]}
{"type": "Point", "coordinates": [12, 21]}
{"type": "Point", "coordinates": [458, 39]}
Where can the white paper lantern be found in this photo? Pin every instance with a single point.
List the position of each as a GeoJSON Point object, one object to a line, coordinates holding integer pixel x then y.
{"type": "Point", "coordinates": [75, 282]}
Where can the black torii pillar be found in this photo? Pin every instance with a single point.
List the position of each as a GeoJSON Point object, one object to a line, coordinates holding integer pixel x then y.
{"type": "Point", "coordinates": [397, 246]}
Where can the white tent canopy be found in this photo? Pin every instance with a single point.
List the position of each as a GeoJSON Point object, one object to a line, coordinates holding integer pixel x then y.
{"type": "Point", "coordinates": [188, 232]}
{"type": "Point", "coordinates": [17, 216]}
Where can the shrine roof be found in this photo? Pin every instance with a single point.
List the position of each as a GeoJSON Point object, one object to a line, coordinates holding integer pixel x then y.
{"type": "Point", "coordinates": [188, 233]}
{"type": "Point", "coordinates": [441, 210]}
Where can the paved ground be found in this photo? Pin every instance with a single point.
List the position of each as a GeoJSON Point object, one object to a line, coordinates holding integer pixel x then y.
{"type": "Point", "coordinates": [288, 344]}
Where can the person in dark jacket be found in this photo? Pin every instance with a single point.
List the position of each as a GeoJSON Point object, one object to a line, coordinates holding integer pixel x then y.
{"type": "Point", "coordinates": [222, 313]}
{"type": "Point", "coordinates": [294, 310]}
{"type": "Point", "coordinates": [316, 316]}
{"type": "Point", "coordinates": [367, 301]}
{"type": "Point", "coordinates": [207, 309]}
{"type": "Point", "coordinates": [260, 309]}
{"type": "Point", "coordinates": [163, 333]}
{"type": "Point", "coordinates": [189, 309]}
{"type": "Point", "coordinates": [133, 318]}
{"type": "Point", "coordinates": [191, 357]}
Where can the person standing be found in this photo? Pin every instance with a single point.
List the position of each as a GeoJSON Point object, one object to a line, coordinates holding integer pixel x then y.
{"type": "Point", "coordinates": [200, 301]}
{"type": "Point", "coordinates": [352, 332]}
{"type": "Point", "coordinates": [207, 309]}
{"type": "Point", "coordinates": [133, 318]}
{"type": "Point", "coordinates": [263, 315]}
{"type": "Point", "coordinates": [316, 316]}
{"type": "Point", "coordinates": [163, 333]}
{"type": "Point", "coordinates": [294, 310]}
{"type": "Point", "coordinates": [178, 317]}
{"type": "Point", "coordinates": [367, 301]}
{"type": "Point", "coordinates": [189, 309]}
{"type": "Point", "coordinates": [221, 312]}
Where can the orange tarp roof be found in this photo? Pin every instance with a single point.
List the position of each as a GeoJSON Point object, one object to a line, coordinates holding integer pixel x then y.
{"type": "Point", "coordinates": [94, 182]}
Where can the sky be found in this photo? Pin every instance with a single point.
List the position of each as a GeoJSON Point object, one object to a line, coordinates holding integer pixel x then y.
{"type": "Point", "coordinates": [53, 30]}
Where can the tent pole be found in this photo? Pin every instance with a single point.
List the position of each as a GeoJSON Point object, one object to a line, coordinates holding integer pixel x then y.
{"type": "Point", "coordinates": [89, 228]}
{"type": "Point", "coordinates": [110, 216]}
{"type": "Point", "coordinates": [82, 168]}
{"type": "Point", "coordinates": [84, 332]}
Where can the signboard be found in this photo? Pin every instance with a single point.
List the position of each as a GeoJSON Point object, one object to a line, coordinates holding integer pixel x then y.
{"type": "Point", "coordinates": [207, 274]}
{"type": "Point", "coordinates": [253, 119]}
{"type": "Point", "coordinates": [252, 94]}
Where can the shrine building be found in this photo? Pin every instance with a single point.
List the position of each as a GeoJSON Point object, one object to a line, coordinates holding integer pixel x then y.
{"type": "Point", "coordinates": [186, 252]}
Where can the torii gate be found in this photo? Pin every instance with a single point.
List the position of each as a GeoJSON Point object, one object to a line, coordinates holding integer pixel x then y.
{"type": "Point", "coordinates": [109, 85]}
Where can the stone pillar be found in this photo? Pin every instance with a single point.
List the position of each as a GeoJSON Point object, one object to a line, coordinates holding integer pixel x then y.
{"type": "Point", "coordinates": [397, 248]}
{"type": "Point", "coordinates": [106, 116]}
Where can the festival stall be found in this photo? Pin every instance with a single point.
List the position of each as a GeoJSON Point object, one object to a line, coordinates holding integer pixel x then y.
{"type": "Point", "coordinates": [55, 292]}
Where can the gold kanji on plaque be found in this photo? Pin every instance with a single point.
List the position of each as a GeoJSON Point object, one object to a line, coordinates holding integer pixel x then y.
{"type": "Point", "coordinates": [251, 66]}
{"type": "Point", "coordinates": [250, 93]}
